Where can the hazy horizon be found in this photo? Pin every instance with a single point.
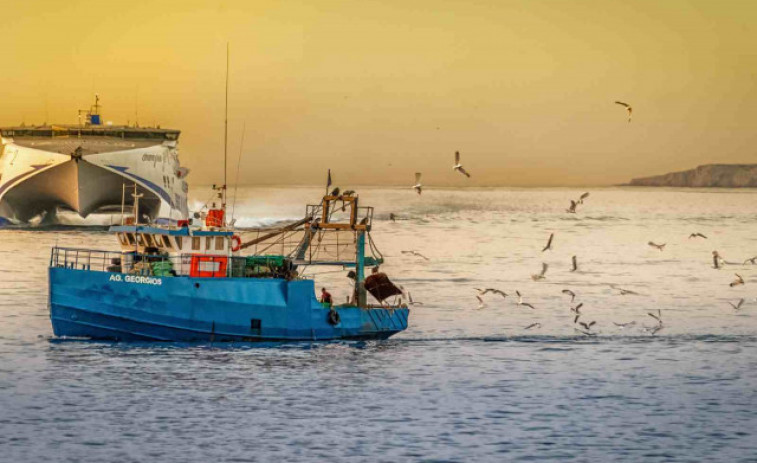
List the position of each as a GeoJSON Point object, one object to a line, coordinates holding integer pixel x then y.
{"type": "Point", "coordinates": [377, 91]}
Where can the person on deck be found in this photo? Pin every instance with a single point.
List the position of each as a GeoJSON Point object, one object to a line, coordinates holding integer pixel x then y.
{"type": "Point", "coordinates": [326, 297]}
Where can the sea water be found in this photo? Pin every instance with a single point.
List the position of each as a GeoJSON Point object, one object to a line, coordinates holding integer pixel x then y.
{"type": "Point", "coordinates": [464, 382]}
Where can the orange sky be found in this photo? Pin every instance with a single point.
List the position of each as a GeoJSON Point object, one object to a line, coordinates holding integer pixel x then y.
{"type": "Point", "coordinates": [379, 90]}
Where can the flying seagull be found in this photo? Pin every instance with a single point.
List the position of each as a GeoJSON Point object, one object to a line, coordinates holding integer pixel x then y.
{"type": "Point", "coordinates": [414, 253]}
{"type": "Point", "coordinates": [481, 303]}
{"type": "Point", "coordinates": [582, 197]}
{"type": "Point", "coordinates": [624, 325]}
{"type": "Point", "coordinates": [737, 305]}
{"type": "Point", "coordinates": [549, 242]}
{"type": "Point", "coordinates": [624, 292]}
{"type": "Point", "coordinates": [628, 108]}
{"type": "Point", "coordinates": [520, 300]}
{"type": "Point", "coordinates": [540, 276]}
{"type": "Point", "coordinates": [392, 217]}
{"type": "Point", "coordinates": [751, 260]}
{"type": "Point", "coordinates": [575, 264]}
{"type": "Point", "coordinates": [459, 167]}
{"type": "Point", "coordinates": [657, 317]}
{"type": "Point", "coordinates": [587, 326]}
{"type": "Point", "coordinates": [533, 325]}
{"type": "Point", "coordinates": [481, 292]}
{"type": "Point", "coordinates": [577, 309]}
{"type": "Point", "coordinates": [660, 247]}
{"type": "Point", "coordinates": [697, 235]}
{"type": "Point", "coordinates": [569, 293]}
{"type": "Point", "coordinates": [572, 208]}
{"type": "Point", "coordinates": [737, 281]}
{"type": "Point", "coordinates": [716, 260]}
{"type": "Point", "coordinates": [418, 187]}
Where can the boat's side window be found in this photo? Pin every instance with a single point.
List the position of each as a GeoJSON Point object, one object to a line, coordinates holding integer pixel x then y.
{"type": "Point", "coordinates": [219, 243]}
{"type": "Point", "coordinates": [208, 243]}
{"type": "Point", "coordinates": [195, 243]}
{"type": "Point", "coordinates": [130, 237]}
{"type": "Point", "coordinates": [166, 242]}
{"type": "Point", "coordinates": [179, 242]}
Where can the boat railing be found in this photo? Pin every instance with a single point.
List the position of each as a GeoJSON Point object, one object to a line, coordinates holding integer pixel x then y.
{"type": "Point", "coordinates": [201, 265]}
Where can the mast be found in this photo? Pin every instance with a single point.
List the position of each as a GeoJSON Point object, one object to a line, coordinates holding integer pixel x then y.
{"type": "Point", "coordinates": [225, 134]}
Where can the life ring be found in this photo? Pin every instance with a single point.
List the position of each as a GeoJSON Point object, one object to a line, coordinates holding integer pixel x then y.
{"type": "Point", "coordinates": [236, 243]}
{"type": "Point", "coordinates": [334, 318]}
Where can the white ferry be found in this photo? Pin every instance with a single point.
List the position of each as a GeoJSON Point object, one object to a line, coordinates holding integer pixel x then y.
{"type": "Point", "coordinates": [85, 168]}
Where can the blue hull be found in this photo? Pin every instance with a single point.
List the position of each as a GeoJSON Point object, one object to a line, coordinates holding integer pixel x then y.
{"type": "Point", "coordinates": [114, 306]}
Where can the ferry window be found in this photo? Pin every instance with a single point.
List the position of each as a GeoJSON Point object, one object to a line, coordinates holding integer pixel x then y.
{"type": "Point", "coordinates": [122, 238]}
{"type": "Point", "coordinates": [195, 243]}
{"type": "Point", "coordinates": [148, 240]}
{"type": "Point", "coordinates": [219, 243]}
{"type": "Point", "coordinates": [179, 242]}
{"type": "Point", "coordinates": [130, 237]}
{"type": "Point", "coordinates": [166, 242]}
{"type": "Point", "coordinates": [208, 242]}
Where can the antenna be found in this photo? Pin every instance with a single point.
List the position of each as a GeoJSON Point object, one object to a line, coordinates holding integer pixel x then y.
{"type": "Point", "coordinates": [136, 107]}
{"type": "Point", "coordinates": [225, 131]}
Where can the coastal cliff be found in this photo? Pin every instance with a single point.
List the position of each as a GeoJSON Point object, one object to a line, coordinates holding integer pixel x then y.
{"type": "Point", "coordinates": [710, 175]}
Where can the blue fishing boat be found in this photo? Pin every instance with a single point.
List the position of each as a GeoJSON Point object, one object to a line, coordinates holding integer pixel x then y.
{"type": "Point", "coordinates": [198, 281]}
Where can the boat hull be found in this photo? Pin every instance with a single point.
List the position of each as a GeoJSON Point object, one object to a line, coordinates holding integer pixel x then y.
{"type": "Point", "coordinates": [120, 307]}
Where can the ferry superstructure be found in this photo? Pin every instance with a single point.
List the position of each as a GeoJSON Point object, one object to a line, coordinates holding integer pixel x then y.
{"type": "Point", "coordinates": [86, 168]}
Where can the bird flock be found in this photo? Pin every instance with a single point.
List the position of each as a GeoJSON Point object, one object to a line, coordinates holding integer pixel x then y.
{"type": "Point", "coordinates": [582, 323]}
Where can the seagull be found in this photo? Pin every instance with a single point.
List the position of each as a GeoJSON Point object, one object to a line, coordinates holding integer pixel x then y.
{"type": "Point", "coordinates": [392, 217]}
{"type": "Point", "coordinates": [481, 292]}
{"type": "Point", "coordinates": [628, 108]}
{"type": "Point", "coordinates": [737, 305]}
{"type": "Point", "coordinates": [658, 246]}
{"type": "Point", "coordinates": [533, 325]}
{"type": "Point", "coordinates": [481, 303]}
{"type": "Point", "coordinates": [540, 276]}
{"type": "Point", "coordinates": [348, 193]}
{"type": "Point", "coordinates": [624, 292]}
{"type": "Point", "coordinates": [549, 243]}
{"type": "Point", "coordinates": [569, 293]}
{"type": "Point", "coordinates": [657, 317]}
{"type": "Point", "coordinates": [697, 235]}
{"type": "Point", "coordinates": [737, 281]}
{"type": "Point", "coordinates": [624, 325]}
{"type": "Point", "coordinates": [575, 264]}
{"type": "Point", "coordinates": [572, 208]}
{"type": "Point", "coordinates": [418, 187]}
{"type": "Point", "coordinates": [587, 333]}
{"type": "Point", "coordinates": [520, 300]}
{"type": "Point", "coordinates": [716, 260]}
{"type": "Point", "coordinates": [577, 309]}
{"type": "Point", "coordinates": [653, 329]}
{"type": "Point", "coordinates": [752, 260]}
{"type": "Point", "coordinates": [414, 253]}
{"type": "Point", "coordinates": [582, 197]}
{"type": "Point", "coordinates": [459, 167]}
{"type": "Point", "coordinates": [575, 319]}
{"type": "Point", "coordinates": [587, 326]}
{"type": "Point", "coordinates": [335, 192]}
{"type": "Point", "coordinates": [411, 301]}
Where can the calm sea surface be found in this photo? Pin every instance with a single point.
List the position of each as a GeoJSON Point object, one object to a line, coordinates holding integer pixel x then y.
{"type": "Point", "coordinates": [463, 383]}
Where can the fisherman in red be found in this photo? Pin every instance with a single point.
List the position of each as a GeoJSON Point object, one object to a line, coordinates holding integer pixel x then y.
{"type": "Point", "coordinates": [326, 297]}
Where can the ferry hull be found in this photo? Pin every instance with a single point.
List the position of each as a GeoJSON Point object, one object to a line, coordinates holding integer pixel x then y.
{"type": "Point", "coordinates": [114, 306]}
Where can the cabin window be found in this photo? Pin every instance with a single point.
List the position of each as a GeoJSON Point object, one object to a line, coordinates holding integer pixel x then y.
{"type": "Point", "coordinates": [122, 238]}
{"type": "Point", "coordinates": [179, 242]}
{"type": "Point", "coordinates": [195, 243]}
{"type": "Point", "coordinates": [140, 239]}
{"type": "Point", "coordinates": [166, 242]}
{"type": "Point", "coordinates": [130, 237]}
{"type": "Point", "coordinates": [148, 240]}
{"type": "Point", "coordinates": [208, 243]}
{"type": "Point", "coordinates": [219, 243]}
